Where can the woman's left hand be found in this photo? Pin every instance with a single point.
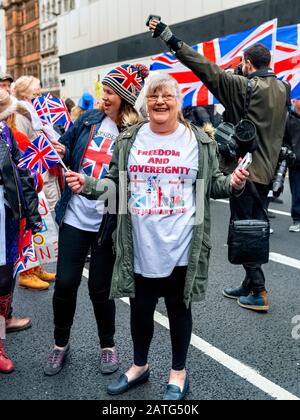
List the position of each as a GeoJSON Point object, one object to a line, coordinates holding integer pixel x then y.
{"type": "Point", "coordinates": [239, 178]}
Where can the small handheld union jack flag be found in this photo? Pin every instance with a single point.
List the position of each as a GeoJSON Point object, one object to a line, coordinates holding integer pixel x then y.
{"type": "Point", "coordinates": [58, 112]}
{"type": "Point", "coordinates": [40, 105]}
{"type": "Point", "coordinates": [26, 248]}
{"type": "Point", "coordinates": [39, 156]}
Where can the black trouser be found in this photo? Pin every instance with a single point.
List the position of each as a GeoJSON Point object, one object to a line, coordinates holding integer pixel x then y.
{"type": "Point", "coordinates": [74, 245]}
{"type": "Point", "coordinates": [148, 291]}
{"type": "Point", "coordinates": [244, 207]}
{"type": "Point", "coordinates": [6, 279]}
{"type": "Point", "coordinates": [295, 190]}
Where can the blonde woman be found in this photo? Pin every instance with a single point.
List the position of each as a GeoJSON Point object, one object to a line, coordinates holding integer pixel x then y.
{"type": "Point", "coordinates": [87, 148]}
{"type": "Point", "coordinates": [163, 244]}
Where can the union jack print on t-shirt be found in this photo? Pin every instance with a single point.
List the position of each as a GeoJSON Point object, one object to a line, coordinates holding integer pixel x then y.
{"type": "Point", "coordinates": [98, 156]}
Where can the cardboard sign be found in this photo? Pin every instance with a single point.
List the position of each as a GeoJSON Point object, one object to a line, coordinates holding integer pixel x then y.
{"type": "Point", "coordinates": [46, 241]}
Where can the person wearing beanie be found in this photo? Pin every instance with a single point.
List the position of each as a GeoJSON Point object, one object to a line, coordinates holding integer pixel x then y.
{"type": "Point", "coordinates": [87, 148]}
{"type": "Point", "coordinates": [11, 111]}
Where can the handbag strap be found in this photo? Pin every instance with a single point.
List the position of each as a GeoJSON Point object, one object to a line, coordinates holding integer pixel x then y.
{"type": "Point", "coordinates": [248, 98]}
{"type": "Point", "coordinates": [258, 198]}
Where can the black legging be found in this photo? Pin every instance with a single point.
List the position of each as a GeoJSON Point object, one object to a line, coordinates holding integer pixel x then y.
{"type": "Point", "coordinates": [148, 291]}
{"type": "Point", "coordinates": [6, 279]}
{"type": "Point", "coordinates": [74, 245]}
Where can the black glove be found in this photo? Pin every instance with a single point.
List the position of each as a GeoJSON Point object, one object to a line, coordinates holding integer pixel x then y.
{"type": "Point", "coordinates": [164, 32]}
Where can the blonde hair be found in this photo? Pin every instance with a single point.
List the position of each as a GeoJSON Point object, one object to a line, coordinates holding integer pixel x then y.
{"type": "Point", "coordinates": [160, 82]}
{"type": "Point", "coordinates": [76, 112]}
{"type": "Point", "coordinates": [24, 87]}
{"type": "Point", "coordinates": [11, 121]}
{"type": "Point", "coordinates": [128, 115]}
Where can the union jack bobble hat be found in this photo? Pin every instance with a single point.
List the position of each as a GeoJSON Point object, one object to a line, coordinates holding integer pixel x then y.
{"type": "Point", "coordinates": [127, 81]}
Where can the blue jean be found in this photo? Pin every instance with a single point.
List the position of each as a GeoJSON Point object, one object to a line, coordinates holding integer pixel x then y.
{"type": "Point", "coordinates": [295, 190]}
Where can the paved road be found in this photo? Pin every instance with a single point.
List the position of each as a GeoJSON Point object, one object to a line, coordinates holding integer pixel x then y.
{"type": "Point", "coordinates": [269, 356]}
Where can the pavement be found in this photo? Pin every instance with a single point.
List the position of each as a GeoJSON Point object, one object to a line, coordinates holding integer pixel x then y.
{"type": "Point", "coordinates": [235, 354]}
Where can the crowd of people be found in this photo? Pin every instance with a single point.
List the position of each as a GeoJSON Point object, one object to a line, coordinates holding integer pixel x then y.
{"type": "Point", "coordinates": [160, 208]}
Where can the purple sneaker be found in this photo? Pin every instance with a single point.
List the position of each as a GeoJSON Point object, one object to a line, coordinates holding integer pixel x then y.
{"type": "Point", "coordinates": [56, 361]}
{"type": "Point", "coordinates": [109, 362]}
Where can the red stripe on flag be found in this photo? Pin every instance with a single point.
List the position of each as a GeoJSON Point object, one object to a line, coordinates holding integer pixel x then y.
{"type": "Point", "coordinates": [209, 51]}
{"type": "Point", "coordinates": [185, 77]}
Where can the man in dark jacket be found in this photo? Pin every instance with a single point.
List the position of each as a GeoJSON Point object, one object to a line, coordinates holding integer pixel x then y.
{"type": "Point", "coordinates": [268, 111]}
{"type": "Point", "coordinates": [292, 139]}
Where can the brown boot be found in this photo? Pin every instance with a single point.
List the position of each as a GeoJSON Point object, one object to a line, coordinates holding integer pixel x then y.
{"type": "Point", "coordinates": [6, 365]}
{"type": "Point", "coordinates": [30, 281]}
{"type": "Point", "coordinates": [43, 275]}
{"type": "Point", "coordinates": [16, 325]}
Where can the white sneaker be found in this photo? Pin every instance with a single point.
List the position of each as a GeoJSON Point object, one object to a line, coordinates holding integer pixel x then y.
{"type": "Point", "coordinates": [295, 228]}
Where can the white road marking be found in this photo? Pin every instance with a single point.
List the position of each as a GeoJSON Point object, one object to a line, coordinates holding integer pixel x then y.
{"type": "Point", "coordinates": [280, 213]}
{"type": "Point", "coordinates": [284, 260]}
{"type": "Point", "coordinates": [243, 371]}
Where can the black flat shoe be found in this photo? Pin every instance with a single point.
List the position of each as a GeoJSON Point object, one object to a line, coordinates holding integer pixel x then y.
{"type": "Point", "coordinates": [173, 392]}
{"type": "Point", "coordinates": [122, 385]}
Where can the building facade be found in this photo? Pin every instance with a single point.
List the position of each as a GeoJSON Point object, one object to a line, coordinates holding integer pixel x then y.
{"type": "Point", "coordinates": [22, 37]}
{"type": "Point", "coordinates": [2, 41]}
{"type": "Point", "coordinates": [100, 33]}
{"type": "Point", "coordinates": [49, 12]}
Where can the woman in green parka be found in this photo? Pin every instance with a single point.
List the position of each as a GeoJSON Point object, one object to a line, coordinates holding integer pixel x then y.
{"type": "Point", "coordinates": [163, 235]}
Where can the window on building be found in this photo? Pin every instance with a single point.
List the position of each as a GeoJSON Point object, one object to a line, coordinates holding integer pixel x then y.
{"type": "Point", "coordinates": [55, 75]}
{"type": "Point", "coordinates": [29, 46]}
{"type": "Point", "coordinates": [49, 40]}
{"type": "Point", "coordinates": [72, 4]}
{"type": "Point", "coordinates": [11, 48]}
{"type": "Point", "coordinates": [54, 38]}
{"type": "Point", "coordinates": [44, 46]}
{"type": "Point", "coordinates": [59, 7]}
{"type": "Point", "coordinates": [34, 43]}
{"type": "Point", "coordinates": [66, 5]}
{"type": "Point", "coordinates": [48, 10]}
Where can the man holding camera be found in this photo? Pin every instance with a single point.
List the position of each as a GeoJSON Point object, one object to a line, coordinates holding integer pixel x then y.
{"type": "Point", "coordinates": [292, 139]}
{"type": "Point", "coordinates": [267, 109]}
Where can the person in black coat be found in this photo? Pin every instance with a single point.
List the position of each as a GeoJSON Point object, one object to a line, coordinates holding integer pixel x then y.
{"type": "Point", "coordinates": [292, 139]}
{"type": "Point", "coordinates": [18, 200]}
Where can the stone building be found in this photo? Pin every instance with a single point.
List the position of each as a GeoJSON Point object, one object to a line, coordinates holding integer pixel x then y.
{"type": "Point", "coordinates": [49, 12]}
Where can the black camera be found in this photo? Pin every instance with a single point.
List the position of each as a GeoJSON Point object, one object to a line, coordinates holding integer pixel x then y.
{"type": "Point", "coordinates": [235, 141]}
{"type": "Point", "coordinates": [153, 17]}
{"type": "Point", "coordinates": [286, 158]}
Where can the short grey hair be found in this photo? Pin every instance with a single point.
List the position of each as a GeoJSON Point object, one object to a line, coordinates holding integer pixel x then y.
{"type": "Point", "coordinates": [160, 81]}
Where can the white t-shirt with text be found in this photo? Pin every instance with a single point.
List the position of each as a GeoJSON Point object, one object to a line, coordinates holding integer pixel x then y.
{"type": "Point", "coordinates": [163, 172]}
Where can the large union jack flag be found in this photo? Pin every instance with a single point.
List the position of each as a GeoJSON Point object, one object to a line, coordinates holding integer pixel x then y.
{"type": "Point", "coordinates": [287, 57]}
{"type": "Point", "coordinates": [226, 52]}
{"type": "Point", "coordinates": [39, 156]}
{"type": "Point", "coordinates": [26, 248]}
{"type": "Point", "coordinates": [98, 157]}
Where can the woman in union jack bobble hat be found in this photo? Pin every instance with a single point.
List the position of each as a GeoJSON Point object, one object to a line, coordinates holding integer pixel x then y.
{"type": "Point", "coordinates": [87, 148]}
